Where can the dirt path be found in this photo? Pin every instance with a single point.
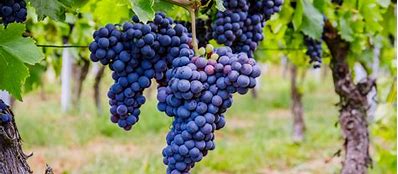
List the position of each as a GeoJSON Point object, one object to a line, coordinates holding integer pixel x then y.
{"type": "Point", "coordinates": [73, 158]}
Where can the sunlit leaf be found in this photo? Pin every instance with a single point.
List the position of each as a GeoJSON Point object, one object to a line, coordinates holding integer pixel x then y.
{"type": "Point", "coordinates": [15, 51]}
{"type": "Point", "coordinates": [143, 9]}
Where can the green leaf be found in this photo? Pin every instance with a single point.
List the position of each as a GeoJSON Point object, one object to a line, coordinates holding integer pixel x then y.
{"type": "Point", "coordinates": [73, 3]}
{"type": "Point", "coordinates": [15, 51]}
{"type": "Point", "coordinates": [320, 4]}
{"type": "Point", "coordinates": [110, 11]}
{"type": "Point", "coordinates": [143, 9]}
{"type": "Point", "coordinates": [53, 9]}
{"type": "Point", "coordinates": [162, 5]}
{"type": "Point", "coordinates": [24, 49]}
{"type": "Point", "coordinates": [13, 74]}
{"type": "Point", "coordinates": [35, 79]}
{"type": "Point", "coordinates": [220, 5]}
{"type": "Point", "coordinates": [372, 16]}
{"type": "Point", "coordinates": [345, 29]}
{"type": "Point", "coordinates": [298, 15]}
{"type": "Point", "coordinates": [389, 23]}
{"type": "Point", "coordinates": [312, 24]}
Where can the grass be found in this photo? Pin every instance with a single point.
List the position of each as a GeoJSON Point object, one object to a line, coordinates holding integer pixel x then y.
{"type": "Point", "coordinates": [257, 138]}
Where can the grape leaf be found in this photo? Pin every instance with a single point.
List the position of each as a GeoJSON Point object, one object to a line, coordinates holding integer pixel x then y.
{"type": "Point", "coordinates": [15, 51]}
{"type": "Point", "coordinates": [35, 77]}
{"type": "Point", "coordinates": [53, 9]}
{"type": "Point", "coordinates": [143, 9]}
{"type": "Point", "coordinates": [110, 11]}
{"type": "Point", "coordinates": [74, 3]}
{"type": "Point", "coordinates": [220, 5]}
{"type": "Point", "coordinates": [298, 15]}
{"type": "Point", "coordinates": [345, 29]}
{"type": "Point", "coordinates": [164, 6]}
{"type": "Point", "coordinates": [24, 49]}
{"type": "Point", "coordinates": [312, 24]}
{"type": "Point", "coordinates": [13, 74]}
{"type": "Point", "coordinates": [320, 4]}
{"type": "Point", "coordinates": [372, 15]}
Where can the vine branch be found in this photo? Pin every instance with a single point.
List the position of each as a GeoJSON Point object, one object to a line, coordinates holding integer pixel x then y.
{"type": "Point", "coordinates": [86, 46]}
{"type": "Point", "coordinates": [280, 49]}
{"type": "Point", "coordinates": [61, 46]}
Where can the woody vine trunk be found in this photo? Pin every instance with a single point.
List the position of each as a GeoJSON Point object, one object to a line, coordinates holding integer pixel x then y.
{"type": "Point", "coordinates": [12, 158]}
{"type": "Point", "coordinates": [297, 107]}
{"type": "Point", "coordinates": [353, 105]}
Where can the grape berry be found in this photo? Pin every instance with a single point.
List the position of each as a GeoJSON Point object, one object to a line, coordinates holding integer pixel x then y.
{"type": "Point", "coordinates": [5, 116]}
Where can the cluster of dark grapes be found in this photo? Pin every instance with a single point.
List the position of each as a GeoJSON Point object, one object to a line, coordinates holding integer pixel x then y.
{"type": "Point", "coordinates": [203, 27]}
{"type": "Point", "coordinates": [241, 25]}
{"type": "Point", "coordinates": [195, 90]}
{"type": "Point", "coordinates": [5, 116]}
{"type": "Point", "coordinates": [265, 8]}
{"type": "Point", "coordinates": [227, 27]}
{"type": "Point", "coordinates": [198, 93]}
{"type": "Point", "coordinates": [137, 53]}
{"type": "Point", "coordinates": [12, 11]}
{"type": "Point", "coordinates": [314, 50]}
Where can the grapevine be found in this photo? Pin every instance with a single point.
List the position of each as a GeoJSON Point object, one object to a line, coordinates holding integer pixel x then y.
{"type": "Point", "coordinates": [196, 81]}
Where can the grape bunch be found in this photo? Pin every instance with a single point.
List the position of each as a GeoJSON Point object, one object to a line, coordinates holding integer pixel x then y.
{"type": "Point", "coordinates": [12, 11]}
{"type": "Point", "coordinates": [198, 93]}
{"type": "Point", "coordinates": [314, 50]}
{"type": "Point", "coordinates": [5, 116]}
{"type": "Point", "coordinates": [265, 7]}
{"type": "Point", "coordinates": [241, 25]}
{"type": "Point", "coordinates": [136, 53]}
{"type": "Point", "coordinates": [227, 26]}
{"type": "Point", "coordinates": [252, 35]}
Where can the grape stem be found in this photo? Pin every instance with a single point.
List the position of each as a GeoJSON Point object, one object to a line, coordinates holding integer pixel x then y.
{"type": "Point", "coordinates": [61, 46]}
{"type": "Point", "coordinates": [193, 26]}
{"type": "Point", "coordinates": [191, 6]}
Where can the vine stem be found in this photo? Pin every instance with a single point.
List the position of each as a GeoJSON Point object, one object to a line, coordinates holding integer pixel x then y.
{"type": "Point", "coordinates": [193, 26]}
{"type": "Point", "coordinates": [191, 6]}
{"type": "Point", "coordinates": [62, 46]}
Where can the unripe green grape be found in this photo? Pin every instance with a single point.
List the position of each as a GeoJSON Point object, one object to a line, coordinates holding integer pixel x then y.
{"type": "Point", "coordinates": [214, 56]}
{"type": "Point", "coordinates": [202, 51]}
{"type": "Point", "coordinates": [209, 48]}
